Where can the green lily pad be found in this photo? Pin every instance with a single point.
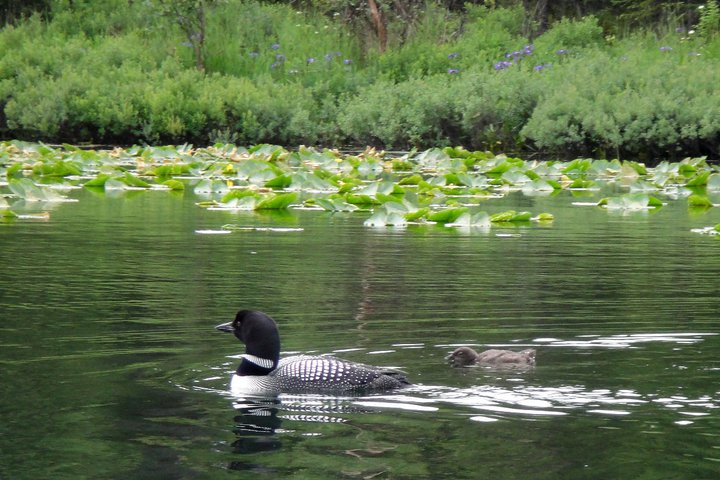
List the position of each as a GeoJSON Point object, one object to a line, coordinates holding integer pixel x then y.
{"type": "Point", "coordinates": [699, 201]}
{"type": "Point", "coordinates": [447, 216]}
{"type": "Point", "coordinates": [277, 202]}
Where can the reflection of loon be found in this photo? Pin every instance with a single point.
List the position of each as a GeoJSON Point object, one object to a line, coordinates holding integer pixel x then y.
{"type": "Point", "coordinates": [263, 372]}
{"type": "Point", "coordinates": [258, 422]}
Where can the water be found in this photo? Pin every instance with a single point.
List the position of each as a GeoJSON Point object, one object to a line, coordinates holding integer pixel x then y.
{"type": "Point", "coordinates": [111, 367]}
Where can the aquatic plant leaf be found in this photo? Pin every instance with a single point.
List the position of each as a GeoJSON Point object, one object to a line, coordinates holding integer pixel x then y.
{"type": "Point", "coordinates": [115, 184]}
{"type": "Point", "coordinates": [642, 186]}
{"type": "Point", "coordinates": [134, 181]}
{"type": "Point", "coordinates": [14, 169]}
{"type": "Point", "coordinates": [281, 181]}
{"type": "Point", "coordinates": [6, 213]}
{"type": "Point", "coordinates": [467, 220]}
{"type": "Point", "coordinates": [539, 185]}
{"type": "Point", "coordinates": [25, 188]}
{"type": "Point", "coordinates": [277, 202]}
{"type": "Point", "coordinates": [57, 168]}
{"type": "Point", "coordinates": [699, 201]}
{"type": "Point", "coordinates": [545, 217]}
{"type": "Point", "coordinates": [633, 201]}
{"type": "Point", "coordinates": [98, 181]}
{"type": "Point", "coordinates": [582, 183]}
{"type": "Point", "coordinates": [174, 184]}
{"type": "Point", "coordinates": [395, 219]}
{"type": "Point", "coordinates": [336, 205]}
{"type": "Point", "coordinates": [411, 180]}
{"type": "Point", "coordinates": [521, 217]}
{"type": "Point", "coordinates": [270, 152]}
{"type": "Point", "coordinates": [515, 177]}
{"type": "Point", "coordinates": [238, 193]}
{"type": "Point", "coordinates": [170, 170]}
{"type": "Point", "coordinates": [639, 168]}
{"type": "Point", "coordinates": [654, 202]}
{"type": "Point", "coordinates": [377, 219]}
{"type": "Point", "coordinates": [416, 215]}
{"type": "Point", "coordinates": [211, 186]}
{"type": "Point", "coordinates": [361, 199]}
{"type": "Point", "coordinates": [698, 180]}
{"type": "Point", "coordinates": [713, 182]}
{"type": "Point", "coordinates": [503, 216]}
{"type": "Point", "coordinates": [447, 216]}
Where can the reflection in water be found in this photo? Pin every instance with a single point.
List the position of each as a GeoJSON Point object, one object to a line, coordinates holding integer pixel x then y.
{"type": "Point", "coordinates": [134, 384]}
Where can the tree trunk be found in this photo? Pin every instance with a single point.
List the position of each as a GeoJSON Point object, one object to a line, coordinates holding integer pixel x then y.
{"type": "Point", "coordinates": [379, 24]}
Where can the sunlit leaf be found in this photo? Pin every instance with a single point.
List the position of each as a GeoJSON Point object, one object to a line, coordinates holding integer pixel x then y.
{"type": "Point", "coordinates": [699, 201]}
{"type": "Point", "coordinates": [447, 216]}
{"type": "Point", "coordinates": [98, 181]}
{"type": "Point", "coordinates": [174, 184]}
{"type": "Point", "coordinates": [698, 180]}
{"type": "Point", "coordinates": [277, 202]}
{"type": "Point", "coordinates": [134, 181]}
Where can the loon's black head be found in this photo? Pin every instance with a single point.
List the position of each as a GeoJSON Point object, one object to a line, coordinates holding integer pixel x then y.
{"type": "Point", "coordinates": [260, 335]}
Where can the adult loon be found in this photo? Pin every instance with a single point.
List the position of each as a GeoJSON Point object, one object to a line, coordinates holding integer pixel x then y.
{"type": "Point", "coordinates": [263, 372]}
{"type": "Point", "coordinates": [465, 356]}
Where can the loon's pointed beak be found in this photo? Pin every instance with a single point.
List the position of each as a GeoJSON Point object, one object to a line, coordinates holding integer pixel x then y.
{"type": "Point", "coordinates": [226, 327]}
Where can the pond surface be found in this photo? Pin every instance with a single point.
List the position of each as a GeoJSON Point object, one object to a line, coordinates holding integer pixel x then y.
{"type": "Point", "coordinates": [111, 367]}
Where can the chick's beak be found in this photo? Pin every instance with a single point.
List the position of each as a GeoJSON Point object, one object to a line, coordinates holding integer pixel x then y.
{"type": "Point", "coordinates": [226, 327]}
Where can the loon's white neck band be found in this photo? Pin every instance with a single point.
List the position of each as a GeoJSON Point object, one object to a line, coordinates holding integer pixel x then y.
{"type": "Point", "coordinates": [260, 362]}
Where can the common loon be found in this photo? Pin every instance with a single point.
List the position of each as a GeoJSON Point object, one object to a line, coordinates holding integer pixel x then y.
{"type": "Point", "coordinates": [263, 372]}
{"type": "Point", "coordinates": [465, 356]}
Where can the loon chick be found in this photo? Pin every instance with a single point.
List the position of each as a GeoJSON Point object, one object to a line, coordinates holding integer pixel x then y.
{"type": "Point", "coordinates": [465, 356]}
{"type": "Point", "coordinates": [263, 372]}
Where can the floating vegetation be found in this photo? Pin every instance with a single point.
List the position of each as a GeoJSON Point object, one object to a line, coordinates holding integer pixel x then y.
{"type": "Point", "coordinates": [707, 230]}
{"type": "Point", "coordinates": [437, 186]}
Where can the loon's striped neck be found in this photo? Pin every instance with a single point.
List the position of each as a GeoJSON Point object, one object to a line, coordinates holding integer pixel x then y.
{"type": "Point", "coordinates": [254, 365]}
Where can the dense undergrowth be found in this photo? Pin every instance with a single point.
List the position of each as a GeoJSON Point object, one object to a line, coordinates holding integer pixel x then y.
{"type": "Point", "coordinates": [273, 74]}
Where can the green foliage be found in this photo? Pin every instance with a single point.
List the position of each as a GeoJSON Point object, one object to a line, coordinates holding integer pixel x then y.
{"type": "Point", "coordinates": [105, 74]}
{"type": "Point", "coordinates": [571, 35]}
{"type": "Point", "coordinates": [709, 24]}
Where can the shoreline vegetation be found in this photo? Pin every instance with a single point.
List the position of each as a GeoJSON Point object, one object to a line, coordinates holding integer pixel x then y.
{"type": "Point", "coordinates": [614, 82]}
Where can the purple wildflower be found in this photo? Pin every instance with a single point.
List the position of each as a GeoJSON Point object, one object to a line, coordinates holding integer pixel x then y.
{"type": "Point", "coordinates": [280, 57]}
{"type": "Point", "coordinates": [347, 61]}
{"type": "Point", "coordinates": [453, 55]}
{"type": "Point", "coordinates": [562, 51]}
{"type": "Point", "coordinates": [310, 60]}
{"type": "Point", "coordinates": [502, 65]}
{"type": "Point", "coordinates": [453, 71]}
{"type": "Point", "coordinates": [528, 49]}
{"type": "Point", "coordinates": [665, 48]}
{"type": "Point", "coordinates": [328, 57]}
{"type": "Point", "coordinates": [275, 46]}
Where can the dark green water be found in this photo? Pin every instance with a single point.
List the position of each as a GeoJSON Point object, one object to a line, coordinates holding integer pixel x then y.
{"type": "Point", "coordinates": [110, 366]}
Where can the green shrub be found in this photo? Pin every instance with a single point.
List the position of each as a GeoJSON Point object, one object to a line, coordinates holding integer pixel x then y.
{"type": "Point", "coordinates": [412, 113]}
